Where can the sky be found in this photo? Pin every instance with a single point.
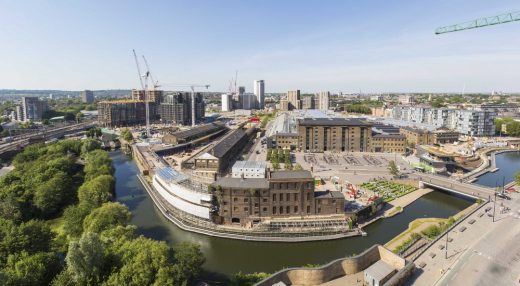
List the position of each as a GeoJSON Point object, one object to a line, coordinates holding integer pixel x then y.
{"type": "Point", "coordinates": [344, 45]}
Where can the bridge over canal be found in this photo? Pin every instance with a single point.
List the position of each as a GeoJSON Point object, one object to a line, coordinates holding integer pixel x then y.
{"type": "Point", "coordinates": [454, 186]}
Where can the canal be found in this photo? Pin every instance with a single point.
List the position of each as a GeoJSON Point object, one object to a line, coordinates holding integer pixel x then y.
{"type": "Point", "coordinates": [508, 165]}
{"type": "Point", "coordinates": [224, 256]}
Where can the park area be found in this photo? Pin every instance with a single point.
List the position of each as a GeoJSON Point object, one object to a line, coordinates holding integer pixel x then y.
{"type": "Point", "coordinates": [388, 190]}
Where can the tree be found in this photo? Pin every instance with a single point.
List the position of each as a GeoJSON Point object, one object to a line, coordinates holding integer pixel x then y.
{"type": "Point", "coordinates": [127, 135]}
{"type": "Point", "coordinates": [73, 219]}
{"type": "Point", "coordinates": [27, 269]}
{"type": "Point", "coordinates": [85, 259]}
{"type": "Point", "coordinates": [143, 261]}
{"type": "Point", "coordinates": [51, 195]}
{"type": "Point", "coordinates": [517, 178]}
{"type": "Point", "coordinates": [105, 217]}
{"type": "Point", "coordinates": [90, 145]}
{"type": "Point", "coordinates": [189, 260]}
{"type": "Point", "coordinates": [79, 116]}
{"type": "Point", "coordinates": [242, 279]}
{"type": "Point", "coordinates": [94, 193]}
{"type": "Point", "coordinates": [97, 163]}
{"type": "Point", "coordinates": [392, 168]}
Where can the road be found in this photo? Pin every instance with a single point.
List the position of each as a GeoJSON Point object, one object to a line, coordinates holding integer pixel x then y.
{"type": "Point", "coordinates": [485, 253]}
{"type": "Point", "coordinates": [472, 189]}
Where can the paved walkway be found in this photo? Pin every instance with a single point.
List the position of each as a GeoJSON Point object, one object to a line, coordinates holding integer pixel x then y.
{"type": "Point", "coordinates": [484, 253]}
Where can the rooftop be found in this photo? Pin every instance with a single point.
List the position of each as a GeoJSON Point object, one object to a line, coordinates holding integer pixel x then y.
{"type": "Point", "coordinates": [250, 164]}
{"type": "Point", "coordinates": [227, 143]}
{"type": "Point", "coordinates": [170, 175]}
{"type": "Point", "coordinates": [388, 136]}
{"type": "Point", "coordinates": [303, 174]}
{"type": "Point", "coordinates": [334, 122]}
{"type": "Point", "coordinates": [239, 183]}
{"type": "Point", "coordinates": [199, 130]}
{"type": "Point", "coordinates": [379, 270]}
{"type": "Point", "coordinates": [328, 194]}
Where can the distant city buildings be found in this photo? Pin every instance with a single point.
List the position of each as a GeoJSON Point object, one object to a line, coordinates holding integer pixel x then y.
{"type": "Point", "coordinates": [406, 99]}
{"type": "Point", "coordinates": [323, 100]}
{"type": "Point", "coordinates": [31, 109]}
{"type": "Point", "coordinates": [293, 97]}
{"type": "Point", "coordinates": [466, 122]}
{"type": "Point", "coordinates": [259, 93]}
{"type": "Point", "coordinates": [227, 102]}
{"type": "Point", "coordinates": [87, 96]}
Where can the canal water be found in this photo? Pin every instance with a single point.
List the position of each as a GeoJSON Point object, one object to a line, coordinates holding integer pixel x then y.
{"type": "Point", "coordinates": [508, 165]}
{"type": "Point", "coordinates": [225, 256]}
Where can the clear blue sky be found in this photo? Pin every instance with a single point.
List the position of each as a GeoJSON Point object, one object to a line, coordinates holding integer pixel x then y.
{"type": "Point", "coordinates": [344, 45]}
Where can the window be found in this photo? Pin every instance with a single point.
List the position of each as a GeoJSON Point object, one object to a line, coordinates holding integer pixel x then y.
{"type": "Point", "coordinates": [274, 197]}
{"type": "Point", "coordinates": [319, 210]}
{"type": "Point", "coordinates": [264, 209]}
{"type": "Point", "coordinates": [287, 197]}
{"type": "Point", "coordinates": [235, 199]}
{"type": "Point", "coordinates": [295, 197]}
{"type": "Point", "coordinates": [281, 210]}
{"type": "Point", "coordinates": [295, 209]}
{"type": "Point", "coordinates": [246, 209]}
{"type": "Point", "coordinates": [281, 197]}
{"type": "Point", "coordinates": [288, 209]}
{"type": "Point", "coordinates": [264, 200]}
{"type": "Point", "coordinates": [246, 200]}
{"type": "Point", "coordinates": [274, 210]}
{"type": "Point", "coordinates": [308, 209]}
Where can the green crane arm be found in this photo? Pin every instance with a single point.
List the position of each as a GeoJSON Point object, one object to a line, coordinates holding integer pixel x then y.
{"type": "Point", "coordinates": [481, 22]}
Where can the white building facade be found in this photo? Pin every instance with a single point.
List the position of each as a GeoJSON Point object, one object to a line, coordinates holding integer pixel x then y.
{"type": "Point", "coordinates": [259, 93]}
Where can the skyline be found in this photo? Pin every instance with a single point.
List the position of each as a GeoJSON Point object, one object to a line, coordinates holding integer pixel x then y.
{"type": "Point", "coordinates": [338, 46]}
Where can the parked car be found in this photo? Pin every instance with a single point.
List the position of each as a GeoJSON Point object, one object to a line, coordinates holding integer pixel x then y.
{"type": "Point", "coordinates": [503, 196]}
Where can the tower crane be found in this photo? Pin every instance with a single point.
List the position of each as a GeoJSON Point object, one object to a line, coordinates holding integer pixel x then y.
{"type": "Point", "coordinates": [155, 83]}
{"type": "Point", "coordinates": [143, 79]}
{"type": "Point", "coordinates": [480, 22]}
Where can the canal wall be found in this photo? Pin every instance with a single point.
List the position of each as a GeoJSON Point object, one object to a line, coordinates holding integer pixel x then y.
{"type": "Point", "coordinates": [487, 165]}
{"type": "Point", "coordinates": [342, 267]}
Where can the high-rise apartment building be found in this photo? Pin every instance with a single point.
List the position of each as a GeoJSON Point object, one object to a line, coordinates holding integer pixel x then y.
{"type": "Point", "coordinates": [259, 93]}
{"type": "Point", "coordinates": [308, 102]}
{"type": "Point", "coordinates": [123, 112]}
{"type": "Point", "coordinates": [31, 109]}
{"type": "Point", "coordinates": [293, 97]}
{"type": "Point", "coordinates": [87, 96]}
{"type": "Point", "coordinates": [226, 102]}
{"type": "Point", "coordinates": [248, 101]}
{"type": "Point", "coordinates": [323, 100]}
{"type": "Point", "coordinates": [153, 95]}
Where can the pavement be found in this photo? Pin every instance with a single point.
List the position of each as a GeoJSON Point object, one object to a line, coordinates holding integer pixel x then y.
{"type": "Point", "coordinates": [484, 253]}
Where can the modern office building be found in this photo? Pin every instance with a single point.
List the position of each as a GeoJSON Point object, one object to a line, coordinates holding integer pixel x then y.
{"type": "Point", "coordinates": [87, 96]}
{"type": "Point", "coordinates": [293, 97]}
{"type": "Point", "coordinates": [31, 109]}
{"type": "Point", "coordinates": [323, 100]}
{"type": "Point", "coordinates": [247, 201]}
{"type": "Point", "coordinates": [259, 93]}
{"type": "Point", "coordinates": [334, 134]}
{"type": "Point", "coordinates": [226, 102]}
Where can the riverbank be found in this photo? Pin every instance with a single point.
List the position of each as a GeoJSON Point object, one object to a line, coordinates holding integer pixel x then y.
{"type": "Point", "coordinates": [488, 163]}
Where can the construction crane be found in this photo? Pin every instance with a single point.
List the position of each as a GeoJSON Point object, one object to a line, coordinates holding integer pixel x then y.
{"type": "Point", "coordinates": [155, 83]}
{"type": "Point", "coordinates": [143, 79]}
{"type": "Point", "coordinates": [481, 22]}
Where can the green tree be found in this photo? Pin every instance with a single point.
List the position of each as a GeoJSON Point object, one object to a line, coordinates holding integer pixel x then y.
{"type": "Point", "coordinates": [249, 279]}
{"type": "Point", "coordinates": [86, 260]}
{"type": "Point", "coordinates": [189, 260]}
{"type": "Point", "coordinates": [105, 217]}
{"type": "Point", "coordinates": [127, 135]}
{"type": "Point", "coordinates": [517, 178]}
{"type": "Point", "coordinates": [27, 269]}
{"type": "Point", "coordinates": [97, 191]}
{"type": "Point", "coordinates": [52, 195]}
{"type": "Point", "coordinates": [90, 145]}
{"type": "Point", "coordinates": [73, 219]}
{"type": "Point", "coordinates": [143, 261]}
{"type": "Point", "coordinates": [392, 168]}
{"type": "Point", "coordinates": [79, 116]}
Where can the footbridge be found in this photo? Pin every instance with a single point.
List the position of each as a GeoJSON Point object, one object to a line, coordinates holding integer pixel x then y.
{"type": "Point", "coordinates": [454, 186]}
